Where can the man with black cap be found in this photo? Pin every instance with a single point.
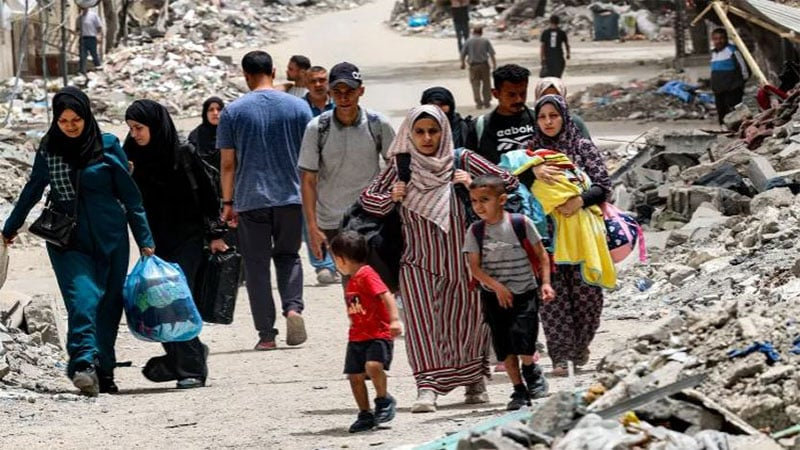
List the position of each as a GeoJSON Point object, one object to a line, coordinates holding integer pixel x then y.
{"type": "Point", "coordinates": [340, 156]}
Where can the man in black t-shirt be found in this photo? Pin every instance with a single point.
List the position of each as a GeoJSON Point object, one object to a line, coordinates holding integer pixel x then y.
{"type": "Point", "coordinates": [511, 125]}
{"type": "Point", "coordinates": [552, 53]}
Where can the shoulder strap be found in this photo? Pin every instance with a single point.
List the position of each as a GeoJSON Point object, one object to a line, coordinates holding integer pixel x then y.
{"type": "Point", "coordinates": [480, 125]}
{"type": "Point", "coordinates": [479, 232]}
{"type": "Point", "coordinates": [323, 129]}
{"type": "Point", "coordinates": [520, 229]}
{"type": "Point", "coordinates": [375, 130]}
{"type": "Point", "coordinates": [458, 158]}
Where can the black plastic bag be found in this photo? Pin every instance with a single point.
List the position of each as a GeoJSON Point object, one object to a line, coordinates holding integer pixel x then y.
{"type": "Point", "coordinates": [218, 286]}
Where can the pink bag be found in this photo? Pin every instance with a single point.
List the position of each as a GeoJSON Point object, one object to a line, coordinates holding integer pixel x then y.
{"type": "Point", "coordinates": [622, 233]}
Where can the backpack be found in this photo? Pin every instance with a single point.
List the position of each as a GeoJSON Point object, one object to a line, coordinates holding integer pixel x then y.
{"type": "Point", "coordinates": [521, 201]}
{"type": "Point", "coordinates": [512, 161]}
{"type": "Point", "coordinates": [520, 230]}
{"type": "Point", "coordinates": [373, 123]}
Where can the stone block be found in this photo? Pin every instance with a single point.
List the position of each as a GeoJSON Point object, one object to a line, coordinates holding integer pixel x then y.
{"type": "Point", "coordinates": [556, 413]}
{"type": "Point", "coordinates": [760, 171]}
{"type": "Point", "coordinates": [681, 275]}
{"type": "Point", "coordinates": [775, 374]}
{"type": "Point", "coordinates": [40, 317]}
{"type": "Point", "coordinates": [765, 411]}
{"type": "Point", "coordinates": [748, 366]}
{"type": "Point", "coordinates": [661, 330]}
{"type": "Point", "coordinates": [701, 256]}
{"type": "Point", "coordinates": [774, 198]}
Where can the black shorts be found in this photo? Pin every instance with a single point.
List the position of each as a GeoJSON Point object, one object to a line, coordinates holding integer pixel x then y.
{"type": "Point", "coordinates": [358, 353]}
{"type": "Point", "coordinates": [514, 330]}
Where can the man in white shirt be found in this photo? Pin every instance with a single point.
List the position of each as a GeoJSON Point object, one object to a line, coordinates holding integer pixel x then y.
{"type": "Point", "coordinates": [91, 29]}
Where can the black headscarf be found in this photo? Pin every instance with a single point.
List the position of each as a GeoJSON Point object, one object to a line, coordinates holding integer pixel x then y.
{"type": "Point", "coordinates": [440, 96]}
{"type": "Point", "coordinates": [204, 137]}
{"type": "Point", "coordinates": [79, 151]}
{"type": "Point", "coordinates": [159, 154]}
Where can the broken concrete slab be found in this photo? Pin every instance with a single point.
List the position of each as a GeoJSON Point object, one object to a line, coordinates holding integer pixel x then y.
{"type": "Point", "coordinates": [773, 198]}
{"type": "Point", "coordinates": [760, 172]}
{"type": "Point", "coordinates": [40, 318]}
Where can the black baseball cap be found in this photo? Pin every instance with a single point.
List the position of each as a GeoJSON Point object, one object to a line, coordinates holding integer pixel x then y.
{"type": "Point", "coordinates": [346, 73]}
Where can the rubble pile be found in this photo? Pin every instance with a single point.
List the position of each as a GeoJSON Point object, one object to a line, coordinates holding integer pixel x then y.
{"type": "Point", "coordinates": [241, 24]}
{"type": "Point", "coordinates": [719, 366]}
{"type": "Point", "coordinates": [31, 355]}
{"type": "Point", "coordinates": [665, 97]}
{"type": "Point", "coordinates": [183, 61]}
{"type": "Point", "coordinates": [157, 71]}
{"type": "Point", "coordinates": [519, 21]}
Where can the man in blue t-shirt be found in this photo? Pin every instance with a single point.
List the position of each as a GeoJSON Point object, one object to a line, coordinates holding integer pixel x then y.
{"type": "Point", "coordinates": [259, 138]}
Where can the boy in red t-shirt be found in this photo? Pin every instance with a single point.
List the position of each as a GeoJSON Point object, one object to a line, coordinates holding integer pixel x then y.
{"type": "Point", "coordinates": [374, 323]}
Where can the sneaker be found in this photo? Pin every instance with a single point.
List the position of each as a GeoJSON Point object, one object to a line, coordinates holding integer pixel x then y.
{"type": "Point", "coordinates": [426, 402]}
{"type": "Point", "coordinates": [328, 276]}
{"type": "Point", "coordinates": [365, 422]}
{"type": "Point", "coordinates": [85, 379]}
{"type": "Point", "coordinates": [107, 385]}
{"type": "Point", "coordinates": [266, 344]}
{"type": "Point", "coordinates": [190, 383]}
{"type": "Point", "coordinates": [476, 393]}
{"type": "Point", "coordinates": [295, 330]}
{"type": "Point", "coordinates": [519, 398]}
{"type": "Point", "coordinates": [537, 383]}
{"type": "Point", "coordinates": [105, 381]}
{"type": "Point", "coordinates": [385, 409]}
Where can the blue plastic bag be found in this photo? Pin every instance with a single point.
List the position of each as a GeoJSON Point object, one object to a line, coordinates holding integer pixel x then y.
{"type": "Point", "coordinates": [158, 302]}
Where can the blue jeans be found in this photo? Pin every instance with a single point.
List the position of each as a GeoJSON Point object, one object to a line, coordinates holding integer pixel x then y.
{"type": "Point", "coordinates": [317, 264]}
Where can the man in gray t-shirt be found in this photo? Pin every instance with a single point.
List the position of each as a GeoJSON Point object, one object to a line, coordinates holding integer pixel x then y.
{"type": "Point", "coordinates": [478, 51]}
{"type": "Point", "coordinates": [340, 155]}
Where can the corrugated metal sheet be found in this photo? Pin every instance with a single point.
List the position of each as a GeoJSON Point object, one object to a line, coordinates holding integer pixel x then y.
{"type": "Point", "coordinates": [781, 16]}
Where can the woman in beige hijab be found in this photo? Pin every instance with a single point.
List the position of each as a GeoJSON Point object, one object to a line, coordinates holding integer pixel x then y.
{"type": "Point", "coordinates": [446, 340]}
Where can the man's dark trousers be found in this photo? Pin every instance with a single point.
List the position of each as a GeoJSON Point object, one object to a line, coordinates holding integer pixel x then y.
{"type": "Point", "coordinates": [272, 235]}
{"type": "Point", "coordinates": [88, 46]}
{"type": "Point", "coordinates": [726, 102]}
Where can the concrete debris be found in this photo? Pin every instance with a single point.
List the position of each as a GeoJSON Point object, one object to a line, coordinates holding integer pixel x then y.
{"type": "Point", "coordinates": [31, 357]}
{"type": "Point", "coordinates": [523, 20]}
{"type": "Point", "coordinates": [186, 60]}
{"type": "Point", "coordinates": [643, 100]}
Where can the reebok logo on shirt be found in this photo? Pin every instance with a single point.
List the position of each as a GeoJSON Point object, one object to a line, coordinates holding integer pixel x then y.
{"type": "Point", "coordinates": [514, 138]}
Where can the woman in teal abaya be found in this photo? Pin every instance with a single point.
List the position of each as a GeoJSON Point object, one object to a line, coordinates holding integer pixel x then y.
{"type": "Point", "coordinates": [91, 270]}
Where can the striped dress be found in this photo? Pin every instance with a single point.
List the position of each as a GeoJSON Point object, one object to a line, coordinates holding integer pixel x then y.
{"type": "Point", "coordinates": [447, 341]}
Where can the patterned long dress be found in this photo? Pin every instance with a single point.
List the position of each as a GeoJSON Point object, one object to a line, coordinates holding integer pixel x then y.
{"type": "Point", "coordinates": [447, 341]}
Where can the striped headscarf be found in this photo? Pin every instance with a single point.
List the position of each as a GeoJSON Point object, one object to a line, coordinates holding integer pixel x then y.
{"type": "Point", "coordinates": [428, 192]}
{"type": "Point", "coordinates": [549, 82]}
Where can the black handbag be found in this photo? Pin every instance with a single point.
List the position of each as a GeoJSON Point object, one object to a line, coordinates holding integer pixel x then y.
{"type": "Point", "coordinates": [56, 227]}
{"type": "Point", "coordinates": [218, 285]}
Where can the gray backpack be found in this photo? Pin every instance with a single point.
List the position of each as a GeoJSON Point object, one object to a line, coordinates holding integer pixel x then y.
{"type": "Point", "coordinates": [373, 123]}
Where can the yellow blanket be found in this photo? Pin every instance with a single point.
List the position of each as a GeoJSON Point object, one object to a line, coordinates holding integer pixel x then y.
{"type": "Point", "coordinates": [580, 238]}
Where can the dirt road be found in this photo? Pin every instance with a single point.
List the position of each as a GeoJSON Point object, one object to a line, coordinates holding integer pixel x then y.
{"type": "Point", "coordinates": [296, 398]}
